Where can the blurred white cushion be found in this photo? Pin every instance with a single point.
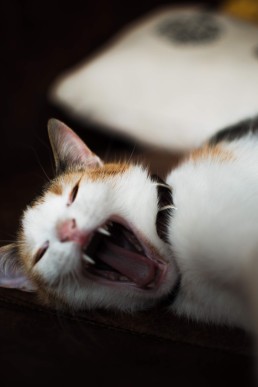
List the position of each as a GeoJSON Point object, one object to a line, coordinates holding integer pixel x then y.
{"type": "Point", "coordinates": [171, 79]}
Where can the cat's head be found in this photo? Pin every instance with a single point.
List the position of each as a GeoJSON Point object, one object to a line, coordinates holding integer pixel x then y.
{"type": "Point", "coordinates": [91, 239]}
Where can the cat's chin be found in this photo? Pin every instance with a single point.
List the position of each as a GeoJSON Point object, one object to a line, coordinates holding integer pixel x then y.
{"type": "Point", "coordinates": [119, 256]}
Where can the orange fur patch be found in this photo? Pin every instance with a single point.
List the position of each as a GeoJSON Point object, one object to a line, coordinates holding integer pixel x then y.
{"type": "Point", "coordinates": [107, 170]}
{"type": "Point", "coordinates": [94, 174]}
{"type": "Point", "coordinates": [216, 152]}
{"type": "Point", "coordinates": [56, 188]}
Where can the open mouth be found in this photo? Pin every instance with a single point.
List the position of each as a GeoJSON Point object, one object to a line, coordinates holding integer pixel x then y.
{"type": "Point", "coordinates": [116, 255]}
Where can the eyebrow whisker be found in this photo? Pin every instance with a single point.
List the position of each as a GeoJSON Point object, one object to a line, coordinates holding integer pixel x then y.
{"type": "Point", "coordinates": [164, 185]}
{"type": "Point", "coordinates": [168, 207]}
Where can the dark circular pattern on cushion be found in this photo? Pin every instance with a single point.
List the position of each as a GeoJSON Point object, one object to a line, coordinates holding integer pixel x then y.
{"type": "Point", "coordinates": [195, 29]}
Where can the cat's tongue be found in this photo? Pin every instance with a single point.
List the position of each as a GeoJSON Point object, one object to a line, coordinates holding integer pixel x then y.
{"type": "Point", "coordinates": [138, 268]}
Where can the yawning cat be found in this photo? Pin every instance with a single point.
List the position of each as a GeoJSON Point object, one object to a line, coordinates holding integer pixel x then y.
{"type": "Point", "coordinates": [112, 235]}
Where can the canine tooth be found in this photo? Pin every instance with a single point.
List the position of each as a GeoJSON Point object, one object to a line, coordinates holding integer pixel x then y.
{"type": "Point", "coordinates": [88, 259]}
{"type": "Point", "coordinates": [103, 231]}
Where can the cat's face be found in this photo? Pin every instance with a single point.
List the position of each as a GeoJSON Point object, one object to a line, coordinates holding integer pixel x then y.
{"type": "Point", "coordinates": [91, 238]}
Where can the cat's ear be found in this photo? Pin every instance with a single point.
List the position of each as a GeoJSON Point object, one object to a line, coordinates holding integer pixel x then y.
{"type": "Point", "coordinates": [68, 149]}
{"type": "Point", "coordinates": [11, 272]}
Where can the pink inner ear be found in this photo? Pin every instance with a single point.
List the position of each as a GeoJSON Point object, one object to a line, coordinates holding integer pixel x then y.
{"type": "Point", "coordinates": [18, 282]}
{"type": "Point", "coordinates": [69, 147]}
{"type": "Point", "coordinates": [11, 273]}
{"type": "Point", "coordinates": [79, 150]}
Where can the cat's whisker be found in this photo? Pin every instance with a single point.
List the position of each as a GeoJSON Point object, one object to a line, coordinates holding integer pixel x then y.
{"type": "Point", "coordinates": [162, 185]}
{"type": "Point", "coordinates": [103, 231]}
{"type": "Point", "coordinates": [168, 207]}
{"type": "Point", "coordinates": [40, 164]}
{"type": "Point", "coordinates": [74, 277]}
{"type": "Point", "coordinates": [88, 259]}
{"type": "Point", "coordinates": [132, 153]}
{"type": "Point", "coordinates": [7, 241]}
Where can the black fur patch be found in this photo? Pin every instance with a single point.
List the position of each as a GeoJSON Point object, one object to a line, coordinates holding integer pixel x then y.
{"type": "Point", "coordinates": [169, 299]}
{"type": "Point", "coordinates": [236, 131]}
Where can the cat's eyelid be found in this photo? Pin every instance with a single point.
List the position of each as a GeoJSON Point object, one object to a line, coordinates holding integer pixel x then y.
{"type": "Point", "coordinates": [39, 254]}
{"type": "Point", "coordinates": [73, 193]}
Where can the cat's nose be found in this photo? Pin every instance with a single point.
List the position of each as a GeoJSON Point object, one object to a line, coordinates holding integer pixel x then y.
{"type": "Point", "coordinates": [68, 231]}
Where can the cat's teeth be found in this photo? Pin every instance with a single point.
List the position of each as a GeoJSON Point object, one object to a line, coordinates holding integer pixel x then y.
{"type": "Point", "coordinates": [88, 259]}
{"type": "Point", "coordinates": [113, 276]}
{"type": "Point", "coordinates": [103, 231]}
{"type": "Point", "coordinates": [123, 278]}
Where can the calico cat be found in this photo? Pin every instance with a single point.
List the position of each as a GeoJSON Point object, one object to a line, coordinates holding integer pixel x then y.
{"type": "Point", "coordinates": [113, 236]}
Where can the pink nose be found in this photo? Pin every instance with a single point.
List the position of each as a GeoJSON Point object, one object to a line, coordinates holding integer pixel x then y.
{"type": "Point", "coordinates": [68, 231]}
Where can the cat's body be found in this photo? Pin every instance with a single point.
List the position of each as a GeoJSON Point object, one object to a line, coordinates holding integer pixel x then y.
{"type": "Point", "coordinates": [111, 235]}
{"type": "Point", "coordinates": [214, 230]}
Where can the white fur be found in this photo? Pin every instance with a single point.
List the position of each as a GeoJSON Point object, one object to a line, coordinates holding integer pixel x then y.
{"type": "Point", "coordinates": [214, 232]}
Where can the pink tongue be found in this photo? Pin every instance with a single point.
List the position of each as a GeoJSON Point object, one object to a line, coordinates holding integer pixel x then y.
{"type": "Point", "coordinates": [134, 266]}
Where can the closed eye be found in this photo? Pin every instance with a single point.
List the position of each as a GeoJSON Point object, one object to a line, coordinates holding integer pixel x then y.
{"type": "Point", "coordinates": [41, 252]}
{"type": "Point", "coordinates": [73, 194]}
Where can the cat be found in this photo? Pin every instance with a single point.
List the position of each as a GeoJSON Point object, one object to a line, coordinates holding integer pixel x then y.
{"type": "Point", "coordinates": [112, 235]}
